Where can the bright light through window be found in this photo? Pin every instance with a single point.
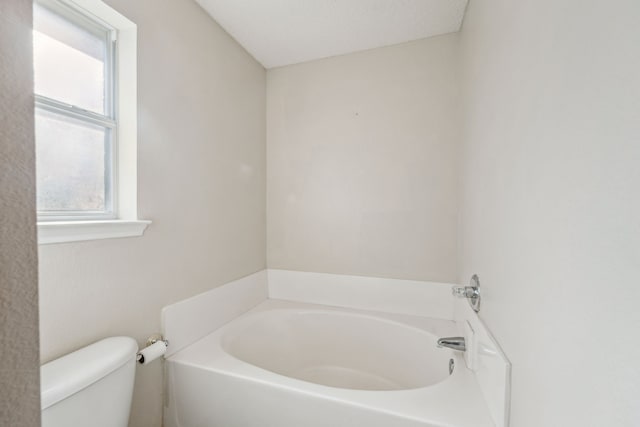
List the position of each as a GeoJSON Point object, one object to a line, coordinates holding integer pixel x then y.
{"type": "Point", "coordinates": [70, 158]}
{"type": "Point", "coordinates": [75, 120]}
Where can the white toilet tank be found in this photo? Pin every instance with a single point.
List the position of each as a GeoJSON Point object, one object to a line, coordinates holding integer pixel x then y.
{"type": "Point", "coordinates": [91, 387]}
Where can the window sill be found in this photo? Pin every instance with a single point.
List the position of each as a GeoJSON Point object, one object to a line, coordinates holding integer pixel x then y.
{"type": "Point", "coordinates": [78, 231]}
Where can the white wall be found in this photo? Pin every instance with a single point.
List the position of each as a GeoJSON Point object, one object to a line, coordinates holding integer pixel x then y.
{"type": "Point", "coordinates": [19, 367]}
{"type": "Point", "coordinates": [361, 161]}
{"type": "Point", "coordinates": [201, 169]}
{"type": "Point", "coordinates": [550, 207]}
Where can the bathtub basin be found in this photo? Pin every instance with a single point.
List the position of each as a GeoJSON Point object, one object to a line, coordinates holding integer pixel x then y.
{"type": "Point", "coordinates": [289, 364]}
{"type": "Point", "coordinates": [339, 349]}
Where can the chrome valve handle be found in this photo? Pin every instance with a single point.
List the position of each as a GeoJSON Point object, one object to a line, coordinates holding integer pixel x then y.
{"type": "Point", "coordinates": [465, 291]}
{"type": "Point", "coordinates": [471, 292]}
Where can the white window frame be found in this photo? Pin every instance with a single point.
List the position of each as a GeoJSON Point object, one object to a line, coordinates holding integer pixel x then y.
{"type": "Point", "coordinates": [108, 119]}
{"type": "Point", "coordinates": [123, 220]}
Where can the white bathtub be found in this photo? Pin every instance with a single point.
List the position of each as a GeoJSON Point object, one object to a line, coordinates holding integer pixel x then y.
{"type": "Point", "coordinates": [286, 364]}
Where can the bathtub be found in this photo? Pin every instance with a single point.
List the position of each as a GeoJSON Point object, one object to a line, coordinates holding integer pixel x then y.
{"type": "Point", "coordinates": [290, 364]}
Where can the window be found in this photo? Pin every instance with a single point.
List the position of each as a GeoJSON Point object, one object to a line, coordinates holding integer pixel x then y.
{"type": "Point", "coordinates": [85, 121]}
{"type": "Point", "coordinates": [76, 125]}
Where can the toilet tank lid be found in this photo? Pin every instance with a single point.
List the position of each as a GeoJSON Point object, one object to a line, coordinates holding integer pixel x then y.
{"type": "Point", "coordinates": [75, 371]}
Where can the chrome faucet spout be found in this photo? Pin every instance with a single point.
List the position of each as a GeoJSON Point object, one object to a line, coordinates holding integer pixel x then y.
{"type": "Point", "coordinates": [454, 343]}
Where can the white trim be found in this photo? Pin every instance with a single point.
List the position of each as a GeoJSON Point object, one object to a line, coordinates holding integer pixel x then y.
{"type": "Point", "coordinates": [104, 12]}
{"type": "Point", "coordinates": [77, 231]}
{"type": "Point", "coordinates": [491, 366]}
{"type": "Point", "coordinates": [75, 112]}
{"type": "Point", "coordinates": [126, 109]}
{"type": "Point", "coordinates": [125, 177]}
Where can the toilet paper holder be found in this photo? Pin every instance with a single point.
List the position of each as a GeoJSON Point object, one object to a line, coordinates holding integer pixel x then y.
{"type": "Point", "coordinates": [150, 341]}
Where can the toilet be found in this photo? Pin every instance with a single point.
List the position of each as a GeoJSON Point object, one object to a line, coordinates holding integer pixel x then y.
{"type": "Point", "coordinates": [92, 386]}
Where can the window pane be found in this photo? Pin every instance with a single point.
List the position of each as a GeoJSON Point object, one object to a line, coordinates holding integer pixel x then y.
{"type": "Point", "coordinates": [70, 163]}
{"type": "Point", "coordinates": [69, 60]}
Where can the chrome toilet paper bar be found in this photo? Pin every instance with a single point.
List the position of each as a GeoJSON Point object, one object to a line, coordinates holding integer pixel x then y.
{"type": "Point", "coordinates": [155, 347]}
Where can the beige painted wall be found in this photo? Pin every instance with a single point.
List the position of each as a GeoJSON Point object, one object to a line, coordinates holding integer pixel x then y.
{"type": "Point", "coordinates": [361, 154]}
{"type": "Point", "coordinates": [201, 179]}
{"type": "Point", "coordinates": [19, 365]}
{"type": "Point", "coordinates": [550, 207]}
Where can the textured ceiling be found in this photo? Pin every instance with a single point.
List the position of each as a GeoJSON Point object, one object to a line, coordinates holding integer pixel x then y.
{"type": "Point", "coordinates": [283, 32]}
